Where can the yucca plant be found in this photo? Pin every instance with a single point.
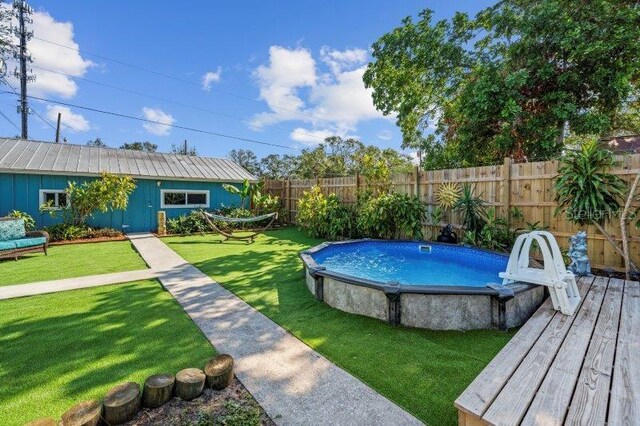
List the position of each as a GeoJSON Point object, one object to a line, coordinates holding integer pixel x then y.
{"type": "Point", "coordinates": [472, 210]}
{"type": "Point", "coordinates": [588, 193]}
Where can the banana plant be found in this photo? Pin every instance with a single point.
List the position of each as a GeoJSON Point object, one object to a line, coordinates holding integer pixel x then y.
{"type": "Point", "coordinates": [245, 192]}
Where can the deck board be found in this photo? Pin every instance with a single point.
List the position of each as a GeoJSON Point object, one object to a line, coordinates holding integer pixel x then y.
{"type": "Point", "coordinates": [575, 370]}
{"type": "Point", "coordinates": [486, 386]}
{"type": "Point", "coordinates": [625, 388]}
{"type": "Point", "coordinates": [512, 402]}
{"type": "Point", "coordinates": [591, 395]}
{"type": "Point", "coordinates": [552, 399]}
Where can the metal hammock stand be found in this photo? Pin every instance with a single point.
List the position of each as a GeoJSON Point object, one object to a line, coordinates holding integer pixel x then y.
{"type": "Point", "coordinates": [210, 218]}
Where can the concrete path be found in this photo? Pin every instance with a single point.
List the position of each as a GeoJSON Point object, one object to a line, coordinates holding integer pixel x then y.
{"type": "Point", "coordinates": [44, 287]}
{"type": "Point", "coordinates": [294, 384]}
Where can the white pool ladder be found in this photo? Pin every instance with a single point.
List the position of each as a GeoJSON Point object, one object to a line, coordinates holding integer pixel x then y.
{"type": "Point", "coordinates": [562, 283]}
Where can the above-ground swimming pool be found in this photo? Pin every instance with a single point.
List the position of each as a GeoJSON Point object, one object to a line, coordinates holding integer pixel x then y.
{"type": "Point", "coordinates": [419, 284]}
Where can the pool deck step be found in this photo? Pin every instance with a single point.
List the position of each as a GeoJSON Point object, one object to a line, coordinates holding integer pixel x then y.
{"type": "Point", "coordinates": [293, 383]}
{"type": "Point", "coordinates": [559, 369]}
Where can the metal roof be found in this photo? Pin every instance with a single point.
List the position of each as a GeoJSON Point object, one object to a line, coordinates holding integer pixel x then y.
{"type": "Point", "coordinates": [23, 156]}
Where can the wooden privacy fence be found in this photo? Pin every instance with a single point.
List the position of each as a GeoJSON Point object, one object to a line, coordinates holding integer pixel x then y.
{"type": "Point", "coordinates": [527, 186]}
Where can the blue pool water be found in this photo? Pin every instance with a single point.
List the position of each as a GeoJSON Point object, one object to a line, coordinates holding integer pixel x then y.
{"type": "Point", "coordinates": [406, 263]}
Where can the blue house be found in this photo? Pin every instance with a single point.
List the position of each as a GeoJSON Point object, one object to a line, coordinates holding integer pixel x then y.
{"type": "Point", "coordinates": [32, 173]}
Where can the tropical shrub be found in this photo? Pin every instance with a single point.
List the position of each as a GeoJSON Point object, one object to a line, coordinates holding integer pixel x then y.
{"type": "Point", "coordinates": [266, 203]}
{"type": "Point", "coordinates": [110, 192]}
{"type": "Point", "coordinates": [324, 216]}
{"type": "Point", "coordinates": [29, 223]}
{"type": "Point", "coordinates": [390, 215]}
{"type": "Point", "coordinates": [588, 193]}
{"type": "Point", "coordinates": [472, 210]}
{"type": "Point", "coordinates": [70, 232]}
{"type": "Point", "coordinates": [192, 223]}
{"type": "Point", "coordinates": [585, 189]}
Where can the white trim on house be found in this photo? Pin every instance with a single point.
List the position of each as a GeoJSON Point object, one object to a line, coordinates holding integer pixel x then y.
{"type": "Point", "coordinates": [56, 206]}
{"type": "Point", "coordinates": [185, 192]}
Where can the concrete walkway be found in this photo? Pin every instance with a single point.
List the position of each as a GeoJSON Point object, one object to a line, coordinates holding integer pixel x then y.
{"type": "Point", "coordinates": [294, 384]}
{"type": "Point", "coordinates": [44, 287]}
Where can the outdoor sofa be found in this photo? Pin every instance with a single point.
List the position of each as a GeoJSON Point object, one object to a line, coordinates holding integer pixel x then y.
{"type": "Point", "coordinates": [16, 241]}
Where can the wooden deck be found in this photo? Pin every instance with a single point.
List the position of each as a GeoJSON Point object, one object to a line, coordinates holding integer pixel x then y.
{"type": "Point", "coordinates": [577, 370]}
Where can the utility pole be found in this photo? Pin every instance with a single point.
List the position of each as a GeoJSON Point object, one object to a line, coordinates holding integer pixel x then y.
{"type": "Point", "coordinates": [185, 152]}
{"type": "Point", "coordinates": [58, 128]}
{"type": "Point", "coordinates": [22, 11]}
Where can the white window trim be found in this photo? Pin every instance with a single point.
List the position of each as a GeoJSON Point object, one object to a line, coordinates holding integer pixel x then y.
{"type": "Point", "coordinates": [53, 191]}
{"type": "Point", "coordinates": [183, 191]}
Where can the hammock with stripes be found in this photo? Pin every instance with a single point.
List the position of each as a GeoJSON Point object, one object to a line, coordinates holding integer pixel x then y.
{"type": "Point", "coordinates": [210, 218]}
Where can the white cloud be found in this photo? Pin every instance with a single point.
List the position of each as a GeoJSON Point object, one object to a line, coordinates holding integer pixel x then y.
{"type": "Point", "coordinates": [71, 120]}
{"type": "Point", "coordinates": [342, 59]}
{"type": "Point", "coordinates": [385, 135]}
{"type": "Point", "coordinates": [296, 89]}
{"type": "Point", "coordinates": [310, 137]}
{"type": "Point", "coordinates": [54, 57]}
{"type": "Point", "coordinates": [164, 120]}
{"type": "Point", "coordinates": [211, 77]}
{"type": "Point", "coordinates": [288, 71]}
{"type": "Point", "coordinates": [344, 100]}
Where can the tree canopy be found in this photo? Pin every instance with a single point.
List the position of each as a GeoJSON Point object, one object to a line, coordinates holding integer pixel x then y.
{"type": "Point", "coordinates": [97, 143]}
{"type": "Point", "coordinates": [511, 81]}
{"type": "Point", "coordinates": [334, 157]}
{"type": "Point", "coordinates": [140, 146]}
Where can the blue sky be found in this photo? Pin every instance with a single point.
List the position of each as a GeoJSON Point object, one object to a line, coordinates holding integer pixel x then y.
{"type": "Point", "coordinates": [291, 70]}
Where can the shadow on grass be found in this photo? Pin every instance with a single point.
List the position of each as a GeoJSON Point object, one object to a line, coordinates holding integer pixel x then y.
{"type": "Point", "coordinates": [421, 370]}
{"type": "Point", "coordinates": [61, 348]}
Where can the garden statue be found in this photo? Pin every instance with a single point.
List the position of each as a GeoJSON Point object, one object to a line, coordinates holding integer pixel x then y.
{"type": "Point", "coordinates": [580, 264]}
{"type": "Point", "coordinates": [447, 235]}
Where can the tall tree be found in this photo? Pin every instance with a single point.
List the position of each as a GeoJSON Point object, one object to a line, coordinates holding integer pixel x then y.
{"type": "Point", "coordinates": [97, 143]}
{"type": "Point", "coordinates": [340, 155]}
{"type": "Point", "coordinates": [140, 146]}
{"type": "Point", "coordinates": [511, 80]}
{"type": "Point", "coordinates": [247, 159]}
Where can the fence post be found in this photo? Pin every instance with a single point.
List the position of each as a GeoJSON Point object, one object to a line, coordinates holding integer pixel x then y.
{"type": "Point", "coordinates": [288, 195]}
{"type": "Point", "coordinates": [357, 182]}
{"type": "Point", "coordinates": [417, 182]}
{"type": "Point", "coordinates": [506, 187]}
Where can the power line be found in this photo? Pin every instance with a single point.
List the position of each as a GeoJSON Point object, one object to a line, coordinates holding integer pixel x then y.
{"type": "Point", "coordinates": [10, 121]}
{"type": "Point", "coordinates": [175, 126]}
{"type": "Point", "coordinates": [44, 120]}
{"type": "Point", "coordinates": [182, 80]}
{"type": "Point", "coordinates": [134, 92]}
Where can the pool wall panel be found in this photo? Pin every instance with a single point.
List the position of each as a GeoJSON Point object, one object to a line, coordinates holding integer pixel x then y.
{"type": "Point", "coordinates": [356, 299]}
{"type": "Point", "coordinates": [446, 312]}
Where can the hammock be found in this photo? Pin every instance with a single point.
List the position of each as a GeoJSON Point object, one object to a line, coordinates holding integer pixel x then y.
{"type": "Point", "coordinates": [210, 217]}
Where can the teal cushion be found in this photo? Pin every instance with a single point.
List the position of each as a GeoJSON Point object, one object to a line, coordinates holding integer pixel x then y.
{"type": "Point", "coordinates": [7, 245]}
{"type": "Point", "coordinates": [12, 229]}
{"type": "Point", "coordinates": [29, 242]}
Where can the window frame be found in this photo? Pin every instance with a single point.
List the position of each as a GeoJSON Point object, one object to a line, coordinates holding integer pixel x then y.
{"type": "Point", "coordinates": [57, 206]}
{"type": "Point", "coordinates": [186, 193]}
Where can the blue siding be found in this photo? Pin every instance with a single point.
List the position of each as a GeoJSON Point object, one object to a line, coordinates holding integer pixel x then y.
{"type": "Point", "coordinates": [22, 192]}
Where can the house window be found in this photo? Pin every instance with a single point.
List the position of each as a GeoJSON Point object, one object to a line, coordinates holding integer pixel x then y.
{"type": "Point", "coordinates": [180, 198]}
{"type": "Point", "coordinates": [54, 198]}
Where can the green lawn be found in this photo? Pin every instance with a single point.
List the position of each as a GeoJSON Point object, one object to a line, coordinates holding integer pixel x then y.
{"type": "Point", "coordinates": [71, 260]}
{"type": "Point", "coordinates": [421, 370]}
{"type": "Point", "coordinates": [62, 348]}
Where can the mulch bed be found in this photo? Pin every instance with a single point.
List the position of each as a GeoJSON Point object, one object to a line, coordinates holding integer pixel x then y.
{"type": "Point", "coordinates": [88, 240]}
{"type": "Point", "coordinates": [231, 406]}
